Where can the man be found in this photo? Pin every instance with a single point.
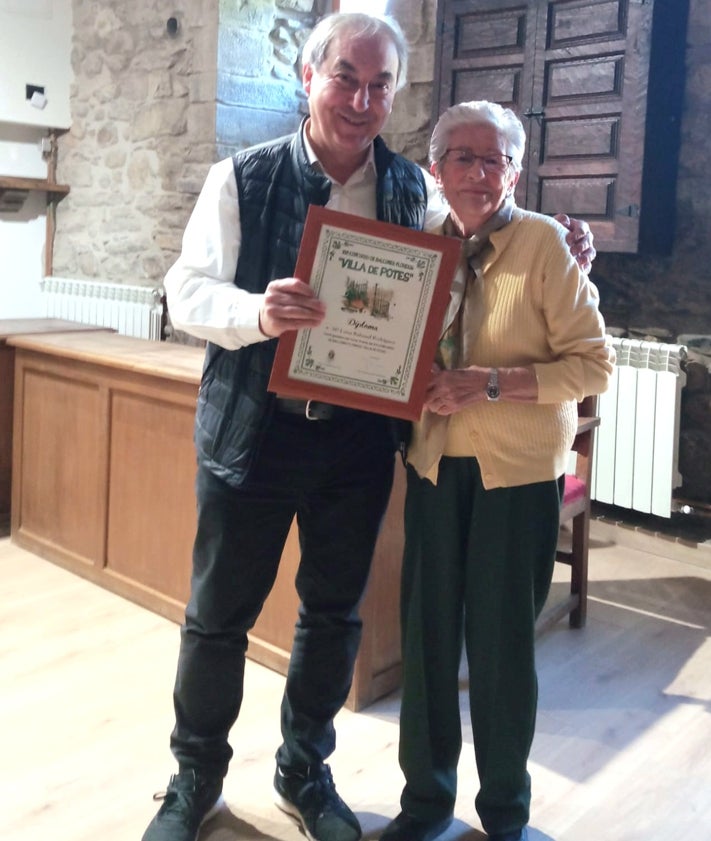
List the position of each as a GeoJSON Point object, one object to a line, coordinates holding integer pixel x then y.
{"type": "Point", "coordinates": [263, 460]}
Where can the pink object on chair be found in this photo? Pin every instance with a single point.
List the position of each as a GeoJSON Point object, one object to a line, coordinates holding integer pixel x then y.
{"type": "Point", "coordinates": [574, 489]}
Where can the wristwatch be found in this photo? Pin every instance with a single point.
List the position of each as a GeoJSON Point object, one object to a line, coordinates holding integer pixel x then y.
{"type": "Point", "coordinates": [493, 392]}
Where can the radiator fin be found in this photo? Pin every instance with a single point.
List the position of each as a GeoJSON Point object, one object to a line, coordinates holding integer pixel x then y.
{"type": "Point", "coordinates": [637, 449]}
{"type": "Point", "coordinates": [131, 310]}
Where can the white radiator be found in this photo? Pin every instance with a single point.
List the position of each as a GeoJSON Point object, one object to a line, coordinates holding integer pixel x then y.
{"type": "Point", "coordinates": [637, 449]}
{"type": "Point", "coordinates": [131, 310]}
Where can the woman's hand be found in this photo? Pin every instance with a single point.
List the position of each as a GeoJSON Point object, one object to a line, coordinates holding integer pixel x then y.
{"type": "Point", "coordinates": [451, 391]}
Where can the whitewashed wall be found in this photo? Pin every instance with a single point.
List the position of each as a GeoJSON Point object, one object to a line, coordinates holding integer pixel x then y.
{"type": "Point", "coordinates": [35, 44]}
{"type": "Point", "coordinates": [22, 234]}
{"type": "Point", "coordinates": [35, 48]}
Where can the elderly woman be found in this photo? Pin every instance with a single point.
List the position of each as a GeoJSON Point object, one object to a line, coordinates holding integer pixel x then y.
{"type": "Point", "coordinates": [523, 341]}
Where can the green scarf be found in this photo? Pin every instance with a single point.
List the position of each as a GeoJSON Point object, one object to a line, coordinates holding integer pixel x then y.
{"type": "Point", "coordinates": [473, 250]}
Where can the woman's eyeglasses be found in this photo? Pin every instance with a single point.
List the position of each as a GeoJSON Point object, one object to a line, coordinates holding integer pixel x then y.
{"type": "Point", "coordinates": [464, 159]}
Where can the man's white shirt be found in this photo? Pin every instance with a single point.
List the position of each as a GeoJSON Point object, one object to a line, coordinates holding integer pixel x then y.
{"type": "Point", "coordinates": [202, 297]}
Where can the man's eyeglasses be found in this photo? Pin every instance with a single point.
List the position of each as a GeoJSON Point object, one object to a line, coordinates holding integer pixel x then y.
{"type": "Point", "coordinates": [464, 159]}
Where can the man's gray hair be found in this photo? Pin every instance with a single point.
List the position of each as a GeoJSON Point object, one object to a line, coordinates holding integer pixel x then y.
{"type": "Point", "coordinates": [357, 25]}
{"type": "Point", "coordinates": [479, 112]}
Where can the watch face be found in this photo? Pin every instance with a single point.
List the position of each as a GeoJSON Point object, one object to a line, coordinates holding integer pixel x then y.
{"type": "Point", "coordinates": [493, 392]}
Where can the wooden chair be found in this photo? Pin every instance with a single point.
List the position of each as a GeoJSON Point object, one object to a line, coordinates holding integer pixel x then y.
{"type": "Point", "coordinates": [576, 511]}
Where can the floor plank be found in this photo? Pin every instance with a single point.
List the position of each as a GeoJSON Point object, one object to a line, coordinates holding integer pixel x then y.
{"type": "Point", "coordinates": [621, 751]}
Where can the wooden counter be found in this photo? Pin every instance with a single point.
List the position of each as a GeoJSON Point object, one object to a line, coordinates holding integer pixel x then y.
{"type": "Point", "coordinates": [10, 327]}
{"type": "Point", "coordinates": [104, 485]}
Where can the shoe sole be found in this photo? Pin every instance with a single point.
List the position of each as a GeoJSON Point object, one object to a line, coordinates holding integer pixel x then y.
{"type": "Point", "coordinates": [216, 807]}
{"type": "Point", "coordinates": [288, 808]}
{"type": "Point", "coordinates": [292, 813]}
{"type": "Point", "coordinates": [213, 810]}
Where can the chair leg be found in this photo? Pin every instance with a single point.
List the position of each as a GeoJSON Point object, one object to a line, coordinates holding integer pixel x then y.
{"type": "Point", "coordinates": [579, 569]}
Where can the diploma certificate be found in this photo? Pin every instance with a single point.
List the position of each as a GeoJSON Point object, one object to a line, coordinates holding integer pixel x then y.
{"type": "Point", "coordinates": [386, 289]}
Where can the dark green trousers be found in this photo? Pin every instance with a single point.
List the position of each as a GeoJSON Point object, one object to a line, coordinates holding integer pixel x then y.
{"type": "Point", "coordinates": [477, 569]}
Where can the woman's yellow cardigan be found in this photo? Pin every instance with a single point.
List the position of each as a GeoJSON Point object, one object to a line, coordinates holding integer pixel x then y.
{"type": "Point", "coordinates": [533, 305]}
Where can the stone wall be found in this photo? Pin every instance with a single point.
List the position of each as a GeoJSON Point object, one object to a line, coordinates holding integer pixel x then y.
{"type": "Point", "coordinates": [259, 93]}
{"type": "Point", "coordinates": [695, 438]}
{"type": "Point", "coordinates": [408, 130]}
{"type": "Point", "coordinates": [143, 106]}
{"type": "Point", "coordinates": [152, 107]}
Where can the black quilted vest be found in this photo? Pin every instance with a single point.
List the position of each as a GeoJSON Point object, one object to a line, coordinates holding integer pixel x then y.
{"type": "Point", "coordinates": [276, 184]}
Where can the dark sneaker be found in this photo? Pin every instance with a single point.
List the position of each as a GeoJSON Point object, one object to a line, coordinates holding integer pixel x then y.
{"type": "Point", "coordinates": [189, 801]}
{"type": "Point", "coordinates": [406, 828]}
{"type": "Point", "coordinates": [310, 799]}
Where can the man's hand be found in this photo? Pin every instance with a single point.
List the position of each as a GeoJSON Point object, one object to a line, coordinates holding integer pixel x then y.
{"type": "Point", "coordinates": [579, 239]}
{"type": "Point", "coordinates": [289, 304]}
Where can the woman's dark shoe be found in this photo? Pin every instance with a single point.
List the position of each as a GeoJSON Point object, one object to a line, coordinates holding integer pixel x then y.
{"type": "Point", "coordinates": [517, 835]}
{"type": "Point", "coordinates": [407, 828]}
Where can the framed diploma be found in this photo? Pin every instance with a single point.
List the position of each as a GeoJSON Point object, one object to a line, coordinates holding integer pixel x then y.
{"type": "Point", "coordinates": [386, 290]}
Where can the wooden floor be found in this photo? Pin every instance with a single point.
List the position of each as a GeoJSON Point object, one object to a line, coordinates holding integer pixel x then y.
{"type": "Point", "coordinates": [622, 751]}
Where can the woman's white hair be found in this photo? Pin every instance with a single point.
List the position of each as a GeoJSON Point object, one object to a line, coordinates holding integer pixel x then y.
{"type": "Point", "coordinates": [356, 25]}
{"type": "Point", "coordinates": [477, 113]}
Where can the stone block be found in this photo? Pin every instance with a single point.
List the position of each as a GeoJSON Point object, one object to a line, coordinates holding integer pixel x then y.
{"type": "Point", "coordinates": [247, 53]}
{"type": "Point", "coordinates": [107, 135]}
{"type": "Point", "coordinates": [87, 263]}
{"type": "Point", "coordinates": [115, 158]}
{"type": "Point", "coordinates": [695, 464]}
{"type": "Point", "coordinates": [105, 21]}
{"type": "Point", "coordinates": [191, 181]}
{"type": "Point", "coordinates": [243, 127]}
{"type": "Point", "coordinates": [286, 49]}
{"type": "Point", "coordinates": [119, 49]}
{"type": "Point", "coordinates": [412, 113]}
{"type": "Point", "coordinates": [201, 154]}
{"type": "Point", "coordinates": [421, 65]}
{"type": "Point", "coordinates": [158, 118]}
{"type": "Point", "coordinates": [203, 55]}
{"type": "Point", "coordinates": [93, 64]}
{"type": "Point", "coordinates": [265, 94]}
{"type": "Point", "coordinates": [142, 171]}
{"type": "Point", "coordinates": [133, 87]}
{"type": "Point", "coordinates": [201, 122]}
{"type": "Point", "coordinates": [203, 86]}
{"type": "Point", "coordinates": [301, 6]}
{"type": "Point", "coordinates": [237, 16]}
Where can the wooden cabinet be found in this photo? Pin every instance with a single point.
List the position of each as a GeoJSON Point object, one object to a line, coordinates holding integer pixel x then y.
{"type": "Point", "coordinates": [103, 484]}
{"type": "Point", "coordinates": [7, 382]}
{"type": "Point", "coordinates": [598, 85]}
{"type": "Point", "coordinates": [12, 327]}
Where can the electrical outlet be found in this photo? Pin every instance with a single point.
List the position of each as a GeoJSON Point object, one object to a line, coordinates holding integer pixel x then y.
{"type": "Point", "coordinates": [35, 95]}
{"type": "Point", "coordinates": [31, 90]}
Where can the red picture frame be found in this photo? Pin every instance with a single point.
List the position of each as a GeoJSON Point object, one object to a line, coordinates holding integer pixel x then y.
{"type": "Point", "coordinates": [386, 289]}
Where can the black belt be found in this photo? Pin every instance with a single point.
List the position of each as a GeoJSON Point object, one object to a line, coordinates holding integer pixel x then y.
{"type": "Point", "coordinates": [311, 409]}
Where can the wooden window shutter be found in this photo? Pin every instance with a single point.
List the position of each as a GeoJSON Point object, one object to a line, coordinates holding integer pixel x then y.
{"type": "Point", "coordinates": [598, 85]}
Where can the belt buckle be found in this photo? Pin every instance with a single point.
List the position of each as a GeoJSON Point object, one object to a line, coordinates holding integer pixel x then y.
{"type": "Point", "coordinates": [307, 412]}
